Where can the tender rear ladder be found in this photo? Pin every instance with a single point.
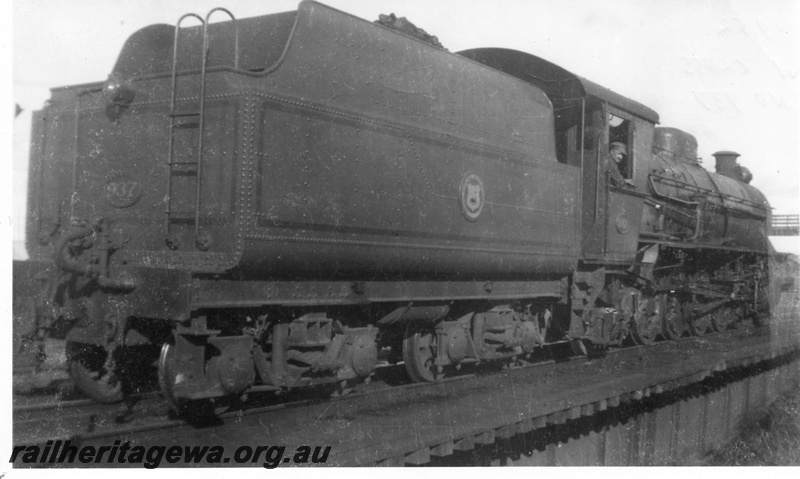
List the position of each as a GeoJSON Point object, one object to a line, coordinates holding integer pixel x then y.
{"type": "Point", "coordinates": [196, 166]}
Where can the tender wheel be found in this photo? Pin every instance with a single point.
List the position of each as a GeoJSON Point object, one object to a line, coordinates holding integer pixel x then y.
{"type": "Point", "coordinates": [342, 389]}
{"type": "Point", "coordinates": [647, 321]}
{"type": "Point", "coordinates": [87, 368]}
{"type": "Point", "coordinates": [202, 408]}
{"type": "Point", "coordinates": [419, 354]}
{"type": "Point", "coordinates": [166, 375]}
{"type": "Point", "coordinates": [674, 325]}
{"type": "Point", "coordinates": [578, 348]}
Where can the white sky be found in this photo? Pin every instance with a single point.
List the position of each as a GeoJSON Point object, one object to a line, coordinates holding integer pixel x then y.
{"type": "Point", "coordinates": [723, 70]}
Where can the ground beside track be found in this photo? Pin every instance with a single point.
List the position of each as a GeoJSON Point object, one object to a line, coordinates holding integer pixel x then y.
{"type": "Point", "coordinates": [771, 438]}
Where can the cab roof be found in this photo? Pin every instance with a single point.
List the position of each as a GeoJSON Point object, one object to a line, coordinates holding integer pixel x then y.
{"type": "Point", "coordinates": [560, 86]}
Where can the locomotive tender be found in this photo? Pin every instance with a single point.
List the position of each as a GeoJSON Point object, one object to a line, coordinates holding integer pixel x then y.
{"type": "Point", "coordinates": [271, 201]}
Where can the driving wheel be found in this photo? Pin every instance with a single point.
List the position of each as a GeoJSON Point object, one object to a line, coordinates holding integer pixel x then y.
{"type": "Point", "coordinates": [698, 325]}
{"type": "Point", "coordinates": [721, 319]}
{"type": "Point", "coordinates": [647, 320]}
{"type": "Point", "coordinates": [674, 325]}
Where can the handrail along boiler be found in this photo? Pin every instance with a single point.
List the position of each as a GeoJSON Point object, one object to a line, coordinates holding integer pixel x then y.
{"type": "Point", "coordinates": [270, 202]}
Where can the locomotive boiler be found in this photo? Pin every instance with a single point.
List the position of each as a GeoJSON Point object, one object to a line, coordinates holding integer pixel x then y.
{"type": "Point", "coordinates": [273, 202]}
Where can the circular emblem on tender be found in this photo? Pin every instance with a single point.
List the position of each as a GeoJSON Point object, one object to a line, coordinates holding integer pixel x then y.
{"type": "Point", "coordinates": [471, 197]}
{"type": "Point", "coordinates": [622, 223]}
{"type": "Point", "coordinates": [122, 190]}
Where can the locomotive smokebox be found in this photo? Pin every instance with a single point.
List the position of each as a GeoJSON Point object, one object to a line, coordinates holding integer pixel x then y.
{"type": "Point", "coordinates": [727, 165]}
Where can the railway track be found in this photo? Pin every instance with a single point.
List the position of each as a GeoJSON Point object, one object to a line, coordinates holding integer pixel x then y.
{"type": "Point", "coordinates": [51, 418]}
{"type": "Point", "coordinates": [431, 422]}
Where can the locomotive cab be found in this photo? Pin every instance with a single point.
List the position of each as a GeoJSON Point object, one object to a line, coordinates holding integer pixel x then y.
{"type": "Point", "coordinates": [588, 119]}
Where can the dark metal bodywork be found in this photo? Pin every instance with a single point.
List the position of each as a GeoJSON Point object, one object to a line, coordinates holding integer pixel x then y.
{"type": "Point", "coordinates": [384, 129]}
{"type": "Point", "coordinates": [700, 208]}
{"type": "Point", "coordinates": [609, 215]}
{"type": "Point", "coordinates": [313, 178]}
{"type": "Point", "coordinates": [342, 158]}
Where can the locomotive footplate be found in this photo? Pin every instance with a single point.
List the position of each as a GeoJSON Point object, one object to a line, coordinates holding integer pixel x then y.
{"type": "Point", "coordinates": [221, 293]}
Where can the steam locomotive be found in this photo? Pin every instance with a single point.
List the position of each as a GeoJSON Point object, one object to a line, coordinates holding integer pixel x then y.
{"type": "Point", "coordinates": [271, 202]}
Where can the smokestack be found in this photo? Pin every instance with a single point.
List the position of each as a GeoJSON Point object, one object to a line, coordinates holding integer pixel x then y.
{"type": "Point", "coordinates": [726, 165]}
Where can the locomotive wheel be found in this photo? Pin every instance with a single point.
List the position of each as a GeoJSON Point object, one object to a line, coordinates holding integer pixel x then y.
{"type": "Point", "coordinates": [88, 373]}
{"type": "Point", "coordinates": [721, 319]}
{"type": "Point", "coordinates": [197, 409]}
{"type": "Point", "coordinates": [761, 319]}
{"type": "Point", "coordinates": [166, 376]}
{"type": "Point", "coordinates": [698, 326]}
{"type": "Point", "coordinates": [647, 321]}
{"type": "Point", "coordinates": [674, 325]}
{"type": "Point", "coordinates": [737, 316]}
{"type": "Point", "coordinates": [419, 354]}
{"type": "Point", "coordinates": [760, 311]}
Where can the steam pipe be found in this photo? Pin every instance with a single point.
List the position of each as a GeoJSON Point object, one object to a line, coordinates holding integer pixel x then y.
{"type": "Point", "coordinates": [64, 260]}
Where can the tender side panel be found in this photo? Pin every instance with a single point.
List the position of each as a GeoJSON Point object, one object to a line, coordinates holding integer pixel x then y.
{"type": "Point", "coordinates": [350, 64]}
{"type": "Point", "coordinates": [381, 153]}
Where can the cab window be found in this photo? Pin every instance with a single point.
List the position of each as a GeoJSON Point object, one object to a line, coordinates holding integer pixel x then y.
{"type": "Point", "coordinates": [619, 131]}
